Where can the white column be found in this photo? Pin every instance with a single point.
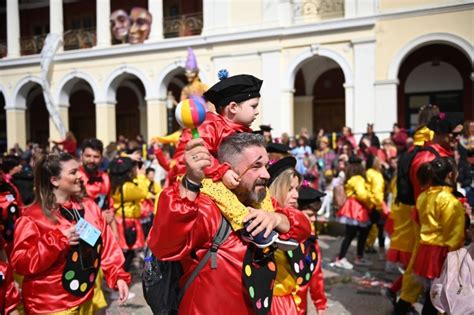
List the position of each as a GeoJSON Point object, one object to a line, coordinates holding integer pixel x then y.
{"type": "Point", "coordinates": [385, 106]}
{"type": "Point", "coordinates": [13, 29]}
{"type": "Point", "coordinates": [350, 8]}
{"type": "Point", "coordinates": [270, 101]}
{"type": "Point", "coordinates": [103, 23]}
{"type": "Point", "coordinates": [349, 96]}
{"type": "Point", "coordinates": [155, 7]}
{"type": "Point", "coordinates": [216, 16]}
{"type": "Point", "coordinates": [156, 117]}
{"type": "Point", "coordinates": [105, 121]}
{"type": "Point", "coordinates": [56, 18]}
{"type": "Point", "coordinates": [286, 113]}
{"type": "Point", "coordinates": [16, 126]}
{"type": "Point", "coordinates": [285, 13]}
{"type": "Point", "coordinates": [143, 121]}
{"type": "Point", "coordinates": [364, 78]}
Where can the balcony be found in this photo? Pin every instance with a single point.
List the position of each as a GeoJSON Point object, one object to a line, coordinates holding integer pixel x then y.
{"type": "Point", "coordinates": [182, 25]}
{"type": "Point", "coordinates": [32, 45]}
{"type": "Point", "coordinates": [80, 38]}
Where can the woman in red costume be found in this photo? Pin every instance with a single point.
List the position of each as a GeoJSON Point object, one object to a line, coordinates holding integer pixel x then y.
{"type": "Point", "coordinates": [9, 295]}
{"type": "Point", "coordinates": [69, 143]}
{"type": "Point", "coordinates": [61, 241]}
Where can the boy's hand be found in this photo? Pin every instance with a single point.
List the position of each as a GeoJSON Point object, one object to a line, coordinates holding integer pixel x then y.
{"type": "Point", "coordinates": [231, 179]}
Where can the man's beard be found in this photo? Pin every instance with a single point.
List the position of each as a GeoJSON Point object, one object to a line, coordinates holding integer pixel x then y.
{"type": "Point", "coordinates": [255, 195]}
{"type": "Point", "coordinates": [91, 168]}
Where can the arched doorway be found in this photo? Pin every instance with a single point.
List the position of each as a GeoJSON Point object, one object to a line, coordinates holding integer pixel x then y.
{"type": "Point", "coordinates": [130, 105]}
{"type": "Point", "coordinates": [3, 125]}
{"type": "Point", "coordinates": [435, 74]}
{"type": "Point", "coordinates": [37, 117]}
{"type": "Point", "coordinates": [319, 98]}
{"type": "Point", "coordinates": [176, 84]}
{"type": "Point", "coordinates": [82, 120]}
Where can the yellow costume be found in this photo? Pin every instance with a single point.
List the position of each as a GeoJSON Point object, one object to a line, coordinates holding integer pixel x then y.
{"type": "Point", "coordinates": [232, 209]}
{"type": "Point", "coordinates": [422, 135]}
{"type": "Point", "coordinates": [133, 193]}
{"type": "Point", "coordinates": [441, 218]}
{"type": "Point", "coordinates": [356, 187]}
{"type": "Point", "coordinates": [376, 188]}
{"type": "Point", "coordinates": [194, 88]}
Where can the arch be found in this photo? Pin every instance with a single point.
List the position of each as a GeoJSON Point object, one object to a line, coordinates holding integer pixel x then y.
{"type": "Point", "coordinates": [22, 88]}
{"type": "Point", "coordinates": [316, 50]}
{"type": "Point", "coordinates": [116, 77]}
{"type": "Point", "coordinates": [432, 38]}
{"type": "Point", "coordinates": [3, 91]}
{"type": "Point", "coordinates": [166, 75]}
{"type": "Point", "coordinates": [67, 84]}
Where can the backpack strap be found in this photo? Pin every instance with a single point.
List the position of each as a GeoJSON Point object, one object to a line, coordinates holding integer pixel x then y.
{"type": "Point", "coordinates": [221, 235]}
{"type": "Point", "coordinates": [431, 150]}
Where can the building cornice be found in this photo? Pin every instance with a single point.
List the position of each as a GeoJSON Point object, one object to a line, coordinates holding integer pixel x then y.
{"type": "Point", "coordinates": [336, 25]}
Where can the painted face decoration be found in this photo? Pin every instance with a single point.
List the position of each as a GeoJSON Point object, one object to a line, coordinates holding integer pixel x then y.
{"type": "Point", "coordinates": [119, 25]}
{"type": "Point", "coordinates": [140, 20]}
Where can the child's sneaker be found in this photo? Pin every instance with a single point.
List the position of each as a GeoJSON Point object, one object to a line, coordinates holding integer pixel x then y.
{"type": "Point", "coordinates": [259, 240]}
{"type": "Point", "coordinates": [343, 263]}
{"type": "Point", "coordinates": [286, 245]}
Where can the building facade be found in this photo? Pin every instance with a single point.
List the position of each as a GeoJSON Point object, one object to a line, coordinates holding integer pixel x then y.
{"type": "Point", "coordinates": [325, 63]}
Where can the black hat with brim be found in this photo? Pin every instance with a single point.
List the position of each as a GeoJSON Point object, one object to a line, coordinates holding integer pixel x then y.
{"type": "Point", "coordinates": [237, 89]}
{"type": "Point", "coordinates": [266, 128]}
{"type": "Point", "coordinates": [278, 167]}
{"type": "Point", "coordinates": [307, 195]}
{"type": "Point", "coordinates": [278, 148]}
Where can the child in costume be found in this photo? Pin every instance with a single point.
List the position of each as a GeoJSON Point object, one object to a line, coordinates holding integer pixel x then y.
{"type": "Point", "coordinates": [236, 101]}
{"type": "Point", "coordinates": [442, 221]}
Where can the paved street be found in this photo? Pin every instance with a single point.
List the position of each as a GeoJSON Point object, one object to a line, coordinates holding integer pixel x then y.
{"type": "Point", "coordinates": [349, 292]}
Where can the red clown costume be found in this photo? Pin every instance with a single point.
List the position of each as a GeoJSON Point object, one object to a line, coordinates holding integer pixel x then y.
{"type": "Point", "coordinates": [97, 188]}
{"type": "Point", "coordinates": [183, 231]}
{"type": "Point", "coordinates": [9, 295]}
{"type": "Point", "coordinates": [10, 209]}
{"type": "Point", "coordinates": [57, 276]}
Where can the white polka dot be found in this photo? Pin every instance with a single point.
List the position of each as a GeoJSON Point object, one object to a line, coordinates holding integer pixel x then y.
{"type": "Point", "coordinates": [265, 302]}
{"type": "Point", "coordinates": [297, 268]}
{"type": "Point", "coordinates": [74, 285]}
{"type": "Point", "coordinates": [12, 209]}
{"type": "Point", "coordinates": [311, 267]}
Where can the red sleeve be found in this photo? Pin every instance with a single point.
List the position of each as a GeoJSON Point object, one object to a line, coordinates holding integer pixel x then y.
{"type": "Point", "coordinates": [162, 160]}
{"type": "Point", "coordinates": [112, 259]}
{"type": "Point", "coordinates": [300, 227]}
{"type": "Point", "coordinates": [176, 224]}
{"type": "Point", "coordinates": [316, 284]}
{"type": "Point", "coordinates": [12, 295]}
{"type": "Point", "coordinates": [34, 252]}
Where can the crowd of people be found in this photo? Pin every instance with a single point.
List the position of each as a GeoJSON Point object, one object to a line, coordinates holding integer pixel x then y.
{"type": "Point", "coordinates": [77, 217]}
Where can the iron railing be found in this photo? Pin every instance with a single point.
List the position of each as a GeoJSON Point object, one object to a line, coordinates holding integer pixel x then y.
{"type": "Point", "coordinates": [182, 25]}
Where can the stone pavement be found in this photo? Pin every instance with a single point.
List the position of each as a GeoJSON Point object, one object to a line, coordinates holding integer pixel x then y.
{"type": "Point", "coordinates": [349, 291]}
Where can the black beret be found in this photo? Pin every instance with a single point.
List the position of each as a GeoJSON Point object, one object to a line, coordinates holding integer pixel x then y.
{"type": "Point", "coordinates": [120, 166]}
{"type": "Point", "coordinates": [266, 128]}
{"type": "Point", "coordinates": [440, 125]}
{"type": "Point", "coordinates": [278, 167]}
{"type": "Point", "coordinates": [307, 195]}
{"type": "Point", "coordinates": [277, 148]}
{"type": "Point", "coordinates": [237, 89]}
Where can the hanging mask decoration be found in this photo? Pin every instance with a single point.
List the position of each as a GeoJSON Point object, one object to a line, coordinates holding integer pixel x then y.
{"type": "Point", "coordinates": [303, 261]}
{"type": "Point", "coordinates": [82, 261]}
{"type": "Point", "coordinates": [259, 272]}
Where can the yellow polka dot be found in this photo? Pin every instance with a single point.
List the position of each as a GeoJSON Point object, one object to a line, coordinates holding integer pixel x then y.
{"type": "Point", "coordinates": [248, 270]}
{"type": "Point", "coordinates": [299, 280]}
{"type": "Point", "coordinates": [313, 255]}
{"type": "Point", "coordinates": [302, 247]}
{"type": "Point", "coordinates": [96, 263]}
{"type": "Point", "coordinates": [83, 287]}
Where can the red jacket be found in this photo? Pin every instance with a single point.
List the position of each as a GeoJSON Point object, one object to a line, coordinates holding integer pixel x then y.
{"type": "Point", "coordinates": [213, 131]}
{"type": "Point", "coordinates": [39, 254]}
{"type": "Point", "coordinates": [9, 295]}
{"type": "Point", "coordinates": [96, 186]}
{"type": "Point", "coordinates": [183, 230]}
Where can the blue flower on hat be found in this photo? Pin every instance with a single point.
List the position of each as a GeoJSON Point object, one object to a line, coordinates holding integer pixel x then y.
{"type": "Point", "coordinates": [223, 74]}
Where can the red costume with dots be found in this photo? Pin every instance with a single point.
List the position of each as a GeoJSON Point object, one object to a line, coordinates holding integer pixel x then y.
{"type": "Point", "coordinates": [183, 231]}
{"type": "Point", "coordinates": [41, 254]}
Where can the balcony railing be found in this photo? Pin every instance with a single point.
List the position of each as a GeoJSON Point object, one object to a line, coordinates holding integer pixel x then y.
{"type": "Point", "coordinates": [182, 25]}
{"type": "Point", "coordinates": [32, 45]}
{"type": "Point", "coordinates": [311, 10]}
{"type": "Point", "coordinates": [79, 38]}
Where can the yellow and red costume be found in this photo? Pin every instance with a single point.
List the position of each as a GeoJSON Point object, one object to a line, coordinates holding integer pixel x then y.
{"type": "Point", "coordinates": [213, 131]}
{"type": "Point", "coordinates": [411, 288]}
{"type": "Point", "coordinates": [40, 254]}
{"type": "Point", "coordinates": [183, 230]}
{"type": "Point", "coordinates": [133, 194]}
{"type": "Point", "coordinates": [442, 229]}
{"type": "Point", "coordinates": [355, 210]}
